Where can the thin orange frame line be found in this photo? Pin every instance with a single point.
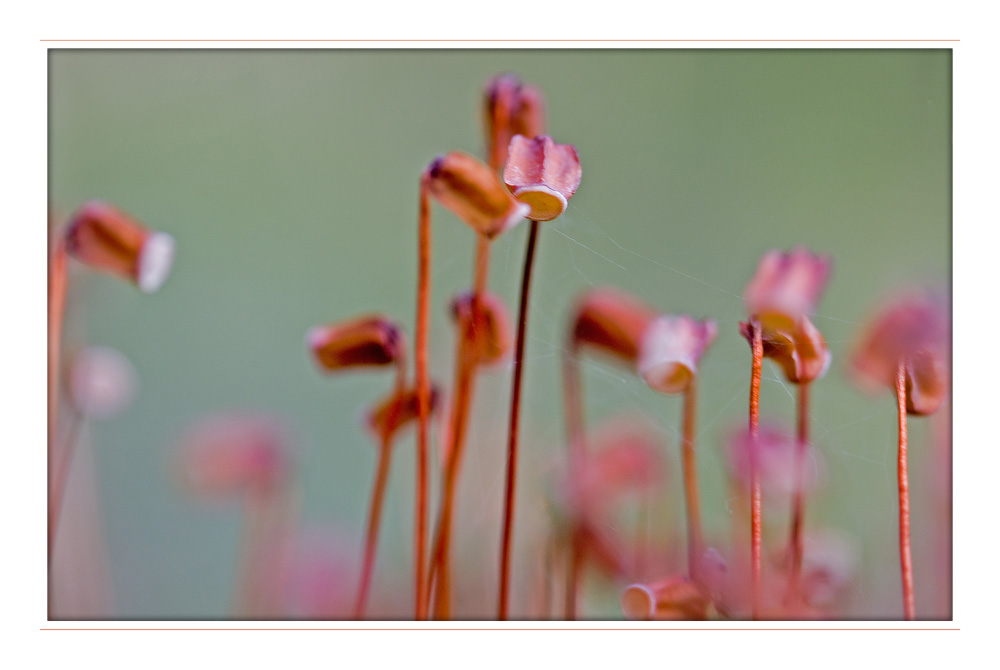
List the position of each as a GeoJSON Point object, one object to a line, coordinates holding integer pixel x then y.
{"type": "Point", "coordinates": [501, 629]}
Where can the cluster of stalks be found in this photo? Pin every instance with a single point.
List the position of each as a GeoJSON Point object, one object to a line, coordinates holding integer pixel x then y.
{"type": "Point", "coordinates": [528, 176]}
{"type": "Point", "coordinates": [538, 177]}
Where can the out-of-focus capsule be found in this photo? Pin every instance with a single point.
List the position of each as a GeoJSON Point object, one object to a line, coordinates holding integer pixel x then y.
{"type": "Point", "coordinates": [107, 239]}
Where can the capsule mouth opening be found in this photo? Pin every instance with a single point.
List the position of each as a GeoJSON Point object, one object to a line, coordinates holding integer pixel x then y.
{"type": "Point", "coordinates": [546, 203]}
{"type": "Point", "coordinates": [315, 337]}
{"type": "Point", "coordinates": [155, 262]}
{"type": "Point", "coordinates": [667, 376]}
{"type": "Point", "coordinates": [775, 321]}
{"type": "Point", "coordinates": [638, 603]}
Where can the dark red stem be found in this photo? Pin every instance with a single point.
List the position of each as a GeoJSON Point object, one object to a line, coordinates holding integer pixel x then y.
{"type": "Point", "coordinates": [515, 415]}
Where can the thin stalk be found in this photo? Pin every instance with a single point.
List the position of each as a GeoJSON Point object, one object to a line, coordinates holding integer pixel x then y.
{"type": "Point", "coordinates": [547, 568]}
{"type": "Point", "coordinates": [465, 378]}
{"type": "Point", "coordinates": [573, 577]}
{"type": "Point", "coordinates": [641, 535]}
{"type": "Point", "coordinates": [270, 551]}
{"type": "Point", "coordinates": [482, 268]}
{"type": "Point", "coordinates": [248, 604]}
{"type": "Point", "coordinates": [441, 558]}
{"type": "Point", "coordinates": [941, 482]}
{"type": "Point", "coordinates": [57, 309]}
{"type": "Point", "coordinates": [61, 470]}
{"type": "Point", "coordinates": [738, 514]}
{"type": "Point", "coordinates": [755, 489]}
{"type": "Point", "coordinates": [573, 399]}
{"type": "Point", "coordinates": [423, 394]}
{"type": "Point", "coordinates": [798, 498]}
{"type": "Point", "coordinates": [378, 492]}
{"type": "Point", "coordinates": [573, 403]}
{"type": "Point", "coordinates": [905, 559]}
{"type": "Point", "coordinates": [515, 415]}
{"type": "Point", "coordinates": [497, 151]}
{"type": "Point", "coordinates": [371, 536]}
{"type": "Point", "coordinates": [691, 481]}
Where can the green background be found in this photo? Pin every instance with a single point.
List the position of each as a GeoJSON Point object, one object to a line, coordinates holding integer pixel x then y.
{"type": "Point", "coordinates": [290, 179]}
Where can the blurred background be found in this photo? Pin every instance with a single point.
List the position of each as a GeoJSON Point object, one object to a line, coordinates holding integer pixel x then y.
{"type": "Point", "coordinates": [290, 182]}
